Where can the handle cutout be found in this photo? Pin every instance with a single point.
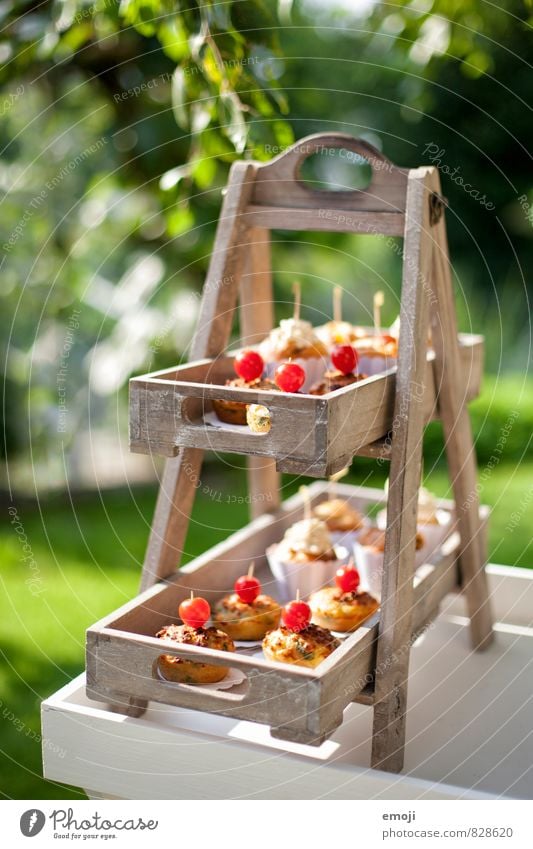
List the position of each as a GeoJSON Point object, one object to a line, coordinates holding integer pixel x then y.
{"type": "Point", "coordinates": [335, 170]}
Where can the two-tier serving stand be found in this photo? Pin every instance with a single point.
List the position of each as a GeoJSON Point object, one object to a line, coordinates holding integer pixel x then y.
{"type": "Point", "coordinates": [381, 417]}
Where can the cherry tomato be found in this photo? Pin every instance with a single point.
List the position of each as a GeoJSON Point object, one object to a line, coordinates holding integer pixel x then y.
{"type": "Point", "coordinates": [194, 611]}
{"type": "Point", "coordinates": [344, 358]}
{"type": "Point", "coordinates": [247, 588]}
{"type": "Point", "coordinates": [289, 377]}
{"type": "Point", "coordinates": [347, 578]}
{"type": "Point", "coordinates": [249, 365]}
{"type": "Point", "coordinates": [296, 615]}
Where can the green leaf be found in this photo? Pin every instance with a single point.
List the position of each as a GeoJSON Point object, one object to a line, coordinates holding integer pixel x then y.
{"type": "Point", "coordinates": [179, 99]}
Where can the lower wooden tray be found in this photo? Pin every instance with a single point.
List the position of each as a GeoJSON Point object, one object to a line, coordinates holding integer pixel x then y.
{"type": "Point", "coordinates": [300, 704]}
{"type": "Point", "coordinates": [309, 433]}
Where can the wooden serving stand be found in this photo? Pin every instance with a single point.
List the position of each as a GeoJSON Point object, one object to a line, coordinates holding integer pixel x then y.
{"type": "Point", "coordinates": [381, 417]}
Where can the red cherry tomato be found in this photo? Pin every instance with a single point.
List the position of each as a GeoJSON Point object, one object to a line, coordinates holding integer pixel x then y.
{"type": "Point", "coordinates": [247, 588]}
{"type": "Point", "coordinates": [289, 377]}
{"type": "Point", "coordinates": [194, 611]}
{"type": "Point", "coordinates": [296, 615]}
{"type": "Point", "coordinates": [344, 358]}
{"type": "Point", "coordinates": [249, 365]}
{"type": "Point", "coordinates": [347, 578]}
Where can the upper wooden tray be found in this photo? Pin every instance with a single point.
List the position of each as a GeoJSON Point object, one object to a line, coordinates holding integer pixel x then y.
{"type": "Point", "coordinates": [311, 435]}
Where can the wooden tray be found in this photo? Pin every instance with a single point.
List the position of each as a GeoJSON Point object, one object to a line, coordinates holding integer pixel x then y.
{"type": "Point", "coordinates": [309, 434]}
{"type": "Point", "coordinates": [302, 705]}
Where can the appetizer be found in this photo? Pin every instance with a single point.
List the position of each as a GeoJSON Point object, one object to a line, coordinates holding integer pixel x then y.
{"type": "Point", "coordinates": [247, 614]}
{"type": "Point", "coordinates": [297, 641]}
{"type": "Point", "coordinates": [249, 367]}
{"type": "Point", "coordinates": [194, 613]}
{"type": "Point", "coordinates": [342, 607]}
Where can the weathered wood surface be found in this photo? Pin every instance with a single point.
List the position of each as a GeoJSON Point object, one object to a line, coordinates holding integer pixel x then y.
{"type": "Point", "coordinates": [460, 451]}
{"type": "Point", "coordinates": [256, 321]}
{"type": "Point", "coordinates": [301, 704]}
{"type": "Point", "coordinates": [395, 628]}
{"type": "Point", "coordinates": [314, 435]}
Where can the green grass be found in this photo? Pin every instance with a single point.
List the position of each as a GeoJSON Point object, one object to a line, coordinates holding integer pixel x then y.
{"type": "Point", "coordinates": [89, 555]}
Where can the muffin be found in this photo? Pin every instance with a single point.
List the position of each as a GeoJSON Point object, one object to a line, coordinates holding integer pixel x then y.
{"type": "Point", "coordinates": [338, 515]}
{"type": "Point", "coordinates": [187, 671]}
{"type": "Point", "coordinates": [376, 353]}
{"type": "Point", "coordinates": [234, 412]}
{"type": "Point", "coordinates": [339, 333]}
{"type": "Point", "coordinates": [247, 614]}
{"type": "Point", "coordinates": [341, 611]}
{"type": "Point", "coordinates": [295, 340]}
{"type": "Point", "coordinates": [306, 558]}
{"type": "Point", "coordinates": [307, 647]}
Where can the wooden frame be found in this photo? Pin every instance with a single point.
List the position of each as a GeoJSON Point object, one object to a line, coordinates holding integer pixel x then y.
{"type": "Point", "coordinates": [397, 202]}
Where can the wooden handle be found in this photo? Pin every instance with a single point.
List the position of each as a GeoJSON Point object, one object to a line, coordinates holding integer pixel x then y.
{"type": "Point", "coordinates": [279, 182]}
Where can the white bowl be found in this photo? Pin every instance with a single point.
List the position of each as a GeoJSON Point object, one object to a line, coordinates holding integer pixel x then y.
{"type": "Point", "coordinates": [306, 578]}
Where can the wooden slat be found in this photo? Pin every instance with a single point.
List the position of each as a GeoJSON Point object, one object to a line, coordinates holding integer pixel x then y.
{"type": "Point", "coordinates": [256, 321]}
{"type": "Point", "coordinates": [459, 444]}
{"type": "Point", "coordinates": [182, 473]}
{"type": "Point", "coordinates": [324, 219]}
{"type": "Point", "coordinates": [396, 599]}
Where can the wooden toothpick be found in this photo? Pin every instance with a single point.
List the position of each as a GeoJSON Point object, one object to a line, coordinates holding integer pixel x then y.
{"type": "Point", "coordinates": [337, 304]}
{"type": "Point", "coordinates": [333, 480]}
{"type": "Point", "coordinates": [298, 594]}
{"type": "Point", "coordinates": [251, 568]}
{"type": "Point", "coordinates": [304, 492]}
{"type": "Point", "coordinates": [297, 292]}
{"type": "Point", "coordinates": [379, 300]}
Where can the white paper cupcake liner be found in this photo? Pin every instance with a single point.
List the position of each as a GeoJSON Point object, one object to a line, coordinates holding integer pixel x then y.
{"type": "Point", "coordinates": [434, 534]}
{"type": "Point", "coordinates": [306, 578]}
{"type": "Point", "coordinates": [370, 566]}
{"type": "Point", "coordinates": [314, 367]}
{"type": "Point", "coordinates": [347, 538]}
{"type": "Point", "coordinates": [371, 365]}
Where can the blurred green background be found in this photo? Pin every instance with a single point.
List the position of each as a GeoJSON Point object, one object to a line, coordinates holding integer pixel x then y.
{"type": "Point", "coordinates": [120, 122]}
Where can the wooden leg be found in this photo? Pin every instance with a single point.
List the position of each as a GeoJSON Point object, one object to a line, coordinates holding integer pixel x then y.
{"type": "Point", "coordinates": [256, 319]}
{"type": "Point", "coordinates": [458, 440]}
{"type": "Point", "coordinates": [395, 634]}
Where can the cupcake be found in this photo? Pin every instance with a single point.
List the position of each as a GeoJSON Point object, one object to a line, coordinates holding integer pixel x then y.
{"type": "Point", "coordinates": [306, 558]}
{"type": "Point", "coordinates": [295, 340]}
{"type": "Point", "coordinates": [343, 521]}
{"type": "Point", "coordinates": [297, 641]}
{"type": "Point", "coordinates": [342, 607]}
{"type": "Point", "coordinates": [194, 613]}
{"type": "Point", "coordinates": [368, 550]}
{"type": "Point", "coordinates": [338, 332]}
{"type": "Point", "coordinates": [247, 614]}
{"type": "Point", "coordinates": [376, 353]}
{"type": "Point", "coordinates": [433, 523]}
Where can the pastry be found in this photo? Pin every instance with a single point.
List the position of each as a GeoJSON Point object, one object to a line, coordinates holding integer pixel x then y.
{"type": "Point", "coordinates": [247, 614]}
{"type": "Point", "coordinates": [433, 523]}
{"type": "Point", "coordinates": [338, 515]}
{"type": "Point", "coordinates": [258, 418]}
{"type": "Point", "coordinates": [296, 640]}
{"type": "Point", "coordinates": [374, 539]}
{"type": "Point", "coordinates": [342, 607]}
{"type": "Point", "coordinates": [334, 380]}
{"type": "Point", "coordinates": [306, 558]}
{"type": "Point", "coordinates": [234, 412]}
{"type": "Point", "coordinates": [194, 613]}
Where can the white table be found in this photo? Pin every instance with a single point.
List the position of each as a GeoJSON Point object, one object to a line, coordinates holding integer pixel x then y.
{"type": "Point", "coordinates": [469, 730]}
